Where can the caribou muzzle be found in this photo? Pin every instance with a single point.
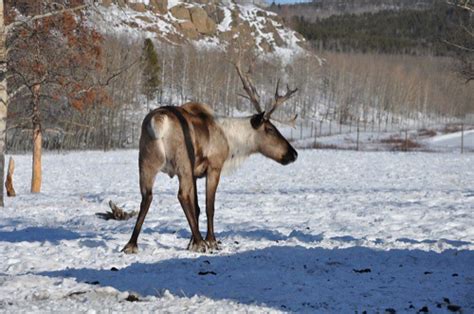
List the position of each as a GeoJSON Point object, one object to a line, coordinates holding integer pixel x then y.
{"type": "Point", "coordinates": [290, 156]}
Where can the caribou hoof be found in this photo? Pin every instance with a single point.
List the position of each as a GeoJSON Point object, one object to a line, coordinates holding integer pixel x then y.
{"type": "Point", "coordinates": [198, 247]}
{"type": "Point", "coordinates": [212, 245]}
{"type": "Point", "coordinates": [130, 248]}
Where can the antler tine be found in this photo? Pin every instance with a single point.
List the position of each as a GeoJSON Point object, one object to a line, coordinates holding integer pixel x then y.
{"type": "Point", "coordinates": [247, 82]}
{"type": "Point", "coordinates": [277, 89]}
{"type": "Point", "coordinates": [290, 122]}
{"type": "Point", "coordinates": [248, 87]}
{"type": "Point", "coordinates": [279, 100]}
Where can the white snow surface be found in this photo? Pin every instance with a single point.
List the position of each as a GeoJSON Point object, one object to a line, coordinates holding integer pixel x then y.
{"type": "Point", "coordinates": [146, 2]}
{"type": "Point", "coordinates": [172, 3]}
{"type": "Point", "coordinates": [225, 25]}
{"type": "Point", "coordinates": [334, 232]}
{"type": "Point", "coordinates": [452, 141]}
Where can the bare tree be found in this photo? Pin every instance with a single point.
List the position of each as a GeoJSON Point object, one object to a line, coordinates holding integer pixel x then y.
{"type": "Point", "coordinates": [37, 38]}
{"type": "Point", "coordinates": [463, 41]}
{"type": "Point", "coordinates": [3, 95]}
{"type": "Point", "coordinates": [36, 72]}
{"type": "Point", "coordinates": [6, 29]}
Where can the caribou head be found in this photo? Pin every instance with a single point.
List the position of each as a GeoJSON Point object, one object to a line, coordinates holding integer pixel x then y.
{"type": "Point", "coordinates": [270, 142]}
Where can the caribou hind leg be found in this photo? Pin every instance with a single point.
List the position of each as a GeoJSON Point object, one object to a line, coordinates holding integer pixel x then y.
{"type": "Point", "coordinates": [187, 199]}
{"type": "Point", "coordinates": [132, 246]}
{"type": "Point", "coordinates": [148, 173]}
{"type": "Point", "coordinates": [197, 211]}
{"type": "Point", "coordinates": [212, 180]}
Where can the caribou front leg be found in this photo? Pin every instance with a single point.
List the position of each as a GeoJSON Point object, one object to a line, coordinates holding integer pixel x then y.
{"type": "Point", "coordinates": [186, 198]}
{"type": "Point", "coordinates": [212, 181]}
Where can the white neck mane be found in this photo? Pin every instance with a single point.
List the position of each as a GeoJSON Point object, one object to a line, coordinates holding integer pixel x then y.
{"type": "Point", "coordinates": [241, 139]}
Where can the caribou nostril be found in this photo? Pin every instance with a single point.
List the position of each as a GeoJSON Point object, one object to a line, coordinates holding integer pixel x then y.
{"type": "Point", "coordinates": [290, 156]}
{"type": "Point", "coordinates": [293, 154]}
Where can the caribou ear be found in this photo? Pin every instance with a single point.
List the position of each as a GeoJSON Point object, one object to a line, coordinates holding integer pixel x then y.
{"type": "Point", "coordinates": [257, 120]}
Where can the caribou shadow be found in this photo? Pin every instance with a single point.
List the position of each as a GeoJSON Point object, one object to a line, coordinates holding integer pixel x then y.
{"type": "Point", "coordinates": [293, 278]}
{"type": "Point", "coordinates": [38, 234]}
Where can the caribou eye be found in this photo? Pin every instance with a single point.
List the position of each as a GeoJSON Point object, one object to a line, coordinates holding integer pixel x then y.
{"type": "Point", "coordinates": [270, 130]}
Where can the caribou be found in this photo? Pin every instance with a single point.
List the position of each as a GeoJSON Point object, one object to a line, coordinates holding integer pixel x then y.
{"type": "Point", "coordinates": [190, 142]}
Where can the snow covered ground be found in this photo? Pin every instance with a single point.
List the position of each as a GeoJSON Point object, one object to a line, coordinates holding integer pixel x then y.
{"type": "Point", "coordinates": [337, 231]}
{"type": "Point", "coordinates": [386, 141]}
{"type": "Point", "coordinates": [452, 141]}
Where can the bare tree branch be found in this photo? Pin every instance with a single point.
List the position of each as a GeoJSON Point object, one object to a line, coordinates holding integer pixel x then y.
{"type": "Point", "coordinates": [9, 27]}
{"type": "Point", "coordinates": [458, 46]}
{"type": "Point", "coordinates": [85, 126]}
{"type": "Point", "coordinates": [18, 91]}
{"type": "Point", "coordinates": [464, 4]}
{"type": "Point", "coordinates": [119, 72]}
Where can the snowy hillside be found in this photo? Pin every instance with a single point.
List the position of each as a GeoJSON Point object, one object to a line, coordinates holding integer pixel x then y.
{"type": "Point", "coordinates": [452, 141]}
{"type": "Point", "coordinates": [211, 24]}
{"type": "Point", "coordinates": [335, 232]}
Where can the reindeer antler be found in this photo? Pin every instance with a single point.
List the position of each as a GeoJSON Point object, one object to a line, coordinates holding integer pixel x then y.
{"type": "Point", "coordinates": [289, 122]}
{"type": "Point", "coordinates": [280, 99]}
{"type": "Point", "coordinates": [248, 84]}
{"type": "Point", "coordinates": [252, 93]}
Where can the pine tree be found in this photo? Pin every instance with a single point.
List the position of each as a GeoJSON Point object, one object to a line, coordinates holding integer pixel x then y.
{"type": "Point", "coordinates": [151, 71]}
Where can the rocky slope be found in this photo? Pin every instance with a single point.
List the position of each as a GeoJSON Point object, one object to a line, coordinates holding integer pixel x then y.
{"type": "Point", "coordinates": [212, 23]}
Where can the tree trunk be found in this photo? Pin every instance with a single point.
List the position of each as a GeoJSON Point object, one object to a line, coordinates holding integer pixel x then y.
{"type": "Point", "coordinates": [9, 183]}
{"type": "Point", "coordinates": [37, 143]}
{"type": "Point", "coordinates": [3, 96]}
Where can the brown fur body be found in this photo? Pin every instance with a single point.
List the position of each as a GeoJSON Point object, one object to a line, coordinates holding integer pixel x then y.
{"type": "Point", "coordinates": [208, 140]}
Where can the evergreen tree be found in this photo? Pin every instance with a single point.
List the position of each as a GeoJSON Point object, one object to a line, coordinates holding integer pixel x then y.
{"type": "Point", "coordinates": [389, 31]}
{"type": "Point", "coordinates": [151, 71]}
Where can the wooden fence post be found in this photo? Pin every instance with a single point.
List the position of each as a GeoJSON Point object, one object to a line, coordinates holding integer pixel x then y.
{"type": "Point", "coordinates": [406, 139]}
{"type": "Point", "coordinates": [358, 131]}
{"type": "Point", "coordinates": [314, 143]}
